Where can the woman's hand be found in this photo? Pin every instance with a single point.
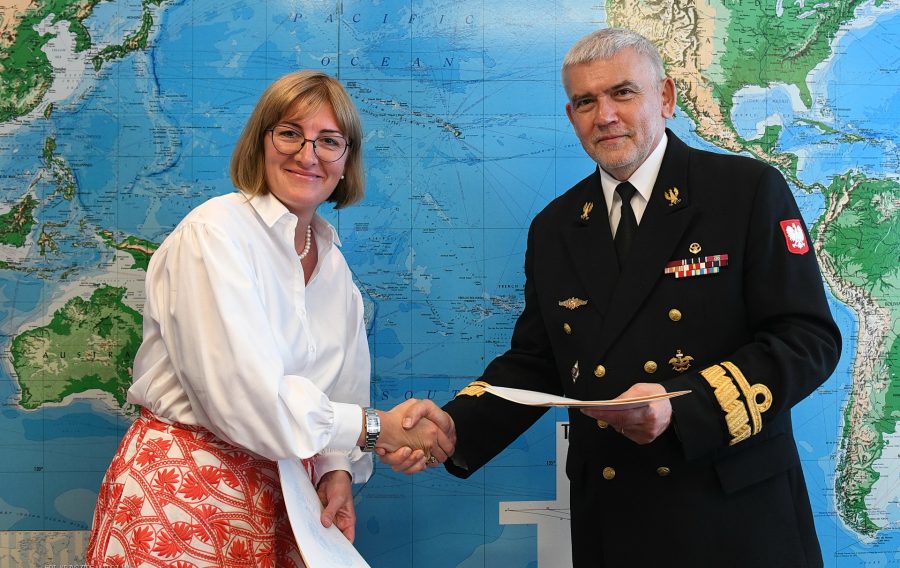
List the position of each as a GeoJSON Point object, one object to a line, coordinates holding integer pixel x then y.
{"type": "Point", "coordinates": [335, 492]}
{"type": "Point", "coordinates": [430, 430]}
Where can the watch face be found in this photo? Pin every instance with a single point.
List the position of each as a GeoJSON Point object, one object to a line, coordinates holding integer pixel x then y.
{"type": "Point", "coordinates": [373, 429]}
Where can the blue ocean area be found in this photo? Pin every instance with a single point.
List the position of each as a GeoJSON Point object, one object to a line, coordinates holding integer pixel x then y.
{"type": "Point", "coordinates": [466, 140]}
{"type": "Point", "coordinates": [855, 117]}
{"type": "Point", "coordinates": [109, 22]}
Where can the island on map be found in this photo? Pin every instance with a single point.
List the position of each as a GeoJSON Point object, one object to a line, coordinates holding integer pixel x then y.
{"type": "Point", "coordinates": [140, 249]}
{"type": "Point", "coordinates": [16, 224]}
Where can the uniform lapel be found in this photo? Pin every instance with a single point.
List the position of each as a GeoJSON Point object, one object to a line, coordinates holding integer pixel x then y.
{"type": "Point", "coordinates": [661, 228]}
{"type": "Point", "coordinates": [590, 245]}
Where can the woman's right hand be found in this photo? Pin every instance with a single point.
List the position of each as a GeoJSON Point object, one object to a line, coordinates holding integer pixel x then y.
{"type": "Point", "coordinates": [434, 434]}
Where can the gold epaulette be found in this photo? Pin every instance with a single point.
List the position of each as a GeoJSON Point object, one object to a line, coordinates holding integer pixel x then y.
{"type": "Point", "coordinates": [738, 415]}
{"type": "Point", "coordinates": [475, 388]}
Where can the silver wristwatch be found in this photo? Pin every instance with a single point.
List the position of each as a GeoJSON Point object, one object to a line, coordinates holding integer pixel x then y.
{"type": "Point", "coordinates": [373, 429]}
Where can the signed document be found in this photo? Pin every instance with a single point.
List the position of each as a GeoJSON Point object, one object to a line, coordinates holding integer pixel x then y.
{"type": "Point", "coordinates": [320, 547]}
{"type": "Point", "coordinates": [534, 398]}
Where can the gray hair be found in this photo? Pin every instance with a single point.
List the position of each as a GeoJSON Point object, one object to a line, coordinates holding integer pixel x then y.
{"type": "Point", "coordinates": [605, 43]}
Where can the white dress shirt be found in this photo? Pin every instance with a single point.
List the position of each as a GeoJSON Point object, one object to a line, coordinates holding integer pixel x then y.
{"type": "Point", "coordinates": [642, 179]}
{"type": "Point", "coordinates": [236, 342]}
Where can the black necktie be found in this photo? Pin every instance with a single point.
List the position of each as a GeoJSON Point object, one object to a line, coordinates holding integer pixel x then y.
{"type": "Point", "coordinates": [627, 222]}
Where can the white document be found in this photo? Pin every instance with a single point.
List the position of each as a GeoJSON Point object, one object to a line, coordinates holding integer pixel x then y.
{"type": "Point", "coordinates": [534, 398]}
{"type": "Point", "coordinates": [320, 547]}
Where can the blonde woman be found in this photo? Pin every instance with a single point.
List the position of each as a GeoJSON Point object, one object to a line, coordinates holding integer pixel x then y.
{"type": "Point", "coordinates": [254, 351]}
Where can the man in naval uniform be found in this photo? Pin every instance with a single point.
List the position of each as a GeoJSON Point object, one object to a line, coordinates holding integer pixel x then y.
{"type": "Point", "coordinates": [704, 280]}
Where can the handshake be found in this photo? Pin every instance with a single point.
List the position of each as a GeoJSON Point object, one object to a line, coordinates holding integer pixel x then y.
{"type": "Point", "coordinates": [415, 435]}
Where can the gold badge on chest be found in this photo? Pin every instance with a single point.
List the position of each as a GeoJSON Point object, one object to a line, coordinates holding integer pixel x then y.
{"type": "Point", "coordinates": [671, 196]}
{"type": "Point", "coordinates": [573, 303]}
{"type": "Point", "coordinates": [586, 210]}
{"type": "Point", "coordinates": [680, 362]}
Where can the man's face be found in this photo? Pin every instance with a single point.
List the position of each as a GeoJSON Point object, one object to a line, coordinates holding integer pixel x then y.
{"type": "Point", "coordinates": [619, 107]}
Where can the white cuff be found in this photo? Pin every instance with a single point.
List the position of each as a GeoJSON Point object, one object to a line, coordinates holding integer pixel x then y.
{"type": "Point", "coordinates": [347, 426]}
{"type": "Point", "coordinates": [332, 460]}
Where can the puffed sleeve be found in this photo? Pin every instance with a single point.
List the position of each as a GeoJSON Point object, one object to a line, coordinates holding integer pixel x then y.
{"type": "Point", "coordinates": [354, 387]}
{"type": "Point", "coordinates": [213, 323]}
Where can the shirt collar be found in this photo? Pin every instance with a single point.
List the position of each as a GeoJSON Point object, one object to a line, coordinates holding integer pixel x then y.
{"type": "Point", "coordinates": [642, 179]}
{"type": "Point", "coordinates": [270, 210]}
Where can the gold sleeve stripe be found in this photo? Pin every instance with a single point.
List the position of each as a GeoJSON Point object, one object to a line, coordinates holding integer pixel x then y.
{"type": "Point", "coordinates": [475, 388]}
{"type": "Point", "coordinates": [729, 399]}
{"type": "Point", "coordinates": [751, 395]}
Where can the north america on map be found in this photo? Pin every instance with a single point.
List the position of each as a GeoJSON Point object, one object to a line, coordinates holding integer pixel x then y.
{"type": "Point", "coordinates": [117, 117]}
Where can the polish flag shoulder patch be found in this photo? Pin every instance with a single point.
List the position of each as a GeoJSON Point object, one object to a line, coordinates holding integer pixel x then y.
{"type": "Point", "coordinates": [794, 236]}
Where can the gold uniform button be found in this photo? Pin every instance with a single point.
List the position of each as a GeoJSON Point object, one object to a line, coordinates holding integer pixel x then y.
{"type": "Point", "coordinates": [650, 367]}
{"type": "Point", "coordinates": [567, 328]}
{"type": "Point", "coordinates": [675, 315]}
{"type": "Point", "coordinates": [608, 473]}
{"type": "Point", "coordinates": [602, 424]}
{"type": "Point", "coordinates": [663, 471]}
{"type": "Point", "coordinates": [600, 371]}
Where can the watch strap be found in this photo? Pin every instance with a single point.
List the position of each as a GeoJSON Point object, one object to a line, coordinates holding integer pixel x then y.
{"type": "Point", "coordinates": [373, 429]}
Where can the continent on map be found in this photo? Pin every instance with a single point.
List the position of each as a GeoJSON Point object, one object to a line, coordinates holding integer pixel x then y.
{"type": "Point", "coordinates": [715, 49]}
{"type": "Point", "coordinates": [857, 239]}
{"type": "Point", "coordinates": [88, 345]}
{"type": "Point", "coordinates": [26, 73]}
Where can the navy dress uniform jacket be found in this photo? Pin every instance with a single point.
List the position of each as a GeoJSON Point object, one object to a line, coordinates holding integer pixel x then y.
{"type": "Point", "coordinates": [722, 486]}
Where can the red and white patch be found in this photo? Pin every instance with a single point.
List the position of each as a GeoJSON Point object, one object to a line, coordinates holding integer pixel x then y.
{"type": "Point", "coordinates": [794, 236]}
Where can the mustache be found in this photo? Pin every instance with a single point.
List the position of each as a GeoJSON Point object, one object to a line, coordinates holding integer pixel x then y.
{"type": "Point", "coordinates": [600, 136]}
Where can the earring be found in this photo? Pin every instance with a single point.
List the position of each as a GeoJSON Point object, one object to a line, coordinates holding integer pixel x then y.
{"type": "Point", "coordinates": [342, 177]}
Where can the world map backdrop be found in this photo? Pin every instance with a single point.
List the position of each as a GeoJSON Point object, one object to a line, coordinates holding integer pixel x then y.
{"type": "Point", "coordinates": [119, 116]}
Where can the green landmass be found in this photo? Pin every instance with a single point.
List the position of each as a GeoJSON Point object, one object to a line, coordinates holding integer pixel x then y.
{"type": "Point", "coordinates": [824, 128]}
{"type": "Point", "coordinates": [88, 345]}
{"type": "Point", "coordinates": [25, 72]}
{"type": "Point", "coordinates": [140, 249]}
{"type": "Point", "coordinates": [59, 169]}
{"type": "Point", "coordinates": [769, 139]}
{"type": "Point", "coordinates": [852, 138]}
{"type": "Point", "coordinates": [762, 47]}
{"type": "Point", "coordinates": [47, 240]}
{"type": "Point", "coordinates": [49, 148]}
{"type": "Point", "coordinates": [134, 42]}
{"type": "Point", "coordinates": [16, 224]}
{"type": "Point", "coordinates": [5, 265]}
{"type": "Point", "coordinates": [864, 238]}
{"type": "Point", "coordinates": [862, 242]}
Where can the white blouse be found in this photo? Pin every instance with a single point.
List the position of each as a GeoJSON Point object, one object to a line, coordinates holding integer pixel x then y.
{"type": "Point", "coordinates": [236, 342]}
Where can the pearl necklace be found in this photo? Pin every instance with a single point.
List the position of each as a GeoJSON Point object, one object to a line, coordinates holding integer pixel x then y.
{"type": "Point", "coordinates": [308, 244]}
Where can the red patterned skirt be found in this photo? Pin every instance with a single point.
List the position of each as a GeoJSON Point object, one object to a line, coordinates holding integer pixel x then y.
{"type": "Point", "coordinates": [177, 495]}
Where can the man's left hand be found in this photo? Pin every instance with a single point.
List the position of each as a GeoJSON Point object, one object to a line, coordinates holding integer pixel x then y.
{"type": "Point", "coordinates": [641, 425]}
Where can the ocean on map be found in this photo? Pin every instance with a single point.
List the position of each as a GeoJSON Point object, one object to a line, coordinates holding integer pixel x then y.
{"type": "Point", "coordinates": [855, 120]}
{"type": "Point", "coordinates": [167, 118]}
